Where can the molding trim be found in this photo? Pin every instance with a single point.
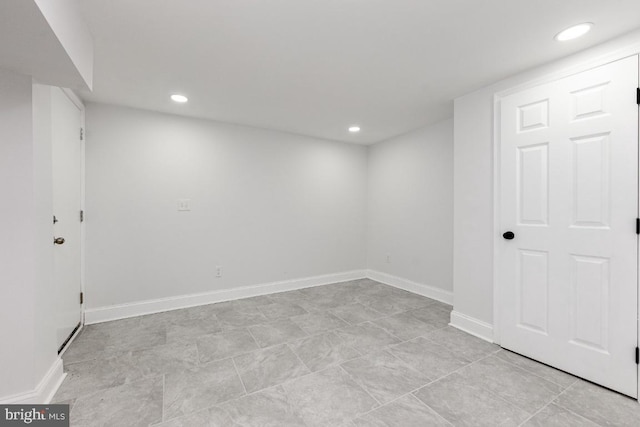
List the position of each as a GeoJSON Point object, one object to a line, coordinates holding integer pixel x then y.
{"type": "Point", "coordinates": [472, 326]}
{"type": "Point", "coordinates": [122, 311]}
{"type": "Point", "coordinates": [408, 285]}
{"type": "Point", "coordinates": [44, 391]}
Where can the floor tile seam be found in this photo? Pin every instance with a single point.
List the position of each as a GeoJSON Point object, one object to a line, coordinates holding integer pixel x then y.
{"type": "Point", "coordinates": [298, 357]}
{"type": "Point", "coordinates": [454, 372]}
{"type": "Point", "coordinates": [424, 337]}
{"type": "Point", "coordinates": [163, 392]}
{"type": "Point", "coordinates": [575, 379]}
{"type": "Point", "coordinates": [577, 414]}
{"type": "Point", "coordinates": [400, 397]}
{"type": "Point", "coordinates": [428, 337]}
{"type": "Point", "coordinates": [394, 336]}
{"type": "Point", "coordinates": [217, 404]}
{"type": "Point", "coordinates": [526, 371]}
{"type": "Point", "coordinates": [233, 356]}
{"type": "Point", "coordinates": [287, 341]}
{"type": "Point", "coordinates": [253, 337]}
{"type": "Point", "coordinates": [280, 317]}
{"type": "Point", "coordinates": [557, 403]}
{"type": "Point", "coordinates": [437, 328]}
{"type": "Point", "coordinates": [220, 332]}
{"type": "Point", "coordinates": [109, 387]}
{"type": "Point", "coordinates": [270, 347]}
{"type": "Point", "coordinates": [412, 394]}
{"type": "Point", "coordinates": [515, 405]}
{"type": "Point", "coordinates": [348, 360]}
{"type": "Point", "coordinates": [286, 381]}
{"type": "Point", "coordinates": [379, 405]}
{"type": "Point", "coordinates": [111, 353]}
{"type": "Point", "coordinates": [102, 390]}
{"type": "Point", "coordinates": [338, 316]}
{"type": "Point", "coordinates": [434, 411]}
{"type": "Point", "coordinates": [554, 401]}
{"type": "Point", "coordinates": [304, 328]}
{"type": "Point", "coordinates": [388, 351]}
{"type": "Point", "coordinates": [327, 331]}
{"type": "Point", "coordinates": [534, 414]}
{"type": "Point", "coordinates": [238, 374]}
{"type": "Point", "coordinates": [394, 313]}
{"type": "Point", "coordinates": [389, 346]}
{"type": "Point", "coordinates": [199, 362]}
{"type": "Point", "coordinates": [141, 348]}
{"type": "Point", "coordinates": [482, 386]}
{"type": "Point", "coordinates": [408, 311]}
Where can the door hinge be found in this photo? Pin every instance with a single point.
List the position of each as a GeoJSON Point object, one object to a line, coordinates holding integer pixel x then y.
{"type": "Point", "coordinates": [81, 216]}
{"type": "Point", "coordinates": [637, 225]}
{"type": "Point", "coordinates": [81, 297]}
{"type": "Point", "coordinates": [637, 356]}
{"type": "Point", "coordinates": [638, 96]}
{"type": "Point", "coordinates": [82, 132]}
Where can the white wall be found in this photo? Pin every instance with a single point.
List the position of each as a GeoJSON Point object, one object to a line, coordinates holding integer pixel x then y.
{"type": "Point", "coordinates": [45, 310]}
{"type": "Point", "coordinates": [17, 215]}
{"type": "Point", "coordinates": [473, 176]}
{"type": "Point", "coordinates": [27, 332]}
{"type": "Point", "coordinates": [410, 206]}
{"type": "Point", "coordinates": [266, 206]}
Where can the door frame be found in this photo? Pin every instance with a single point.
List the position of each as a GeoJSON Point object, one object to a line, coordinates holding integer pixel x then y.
{"type": "Point", "coordinates": [498, 282]}
{"type": "Point", "coordinates": [75, 99]}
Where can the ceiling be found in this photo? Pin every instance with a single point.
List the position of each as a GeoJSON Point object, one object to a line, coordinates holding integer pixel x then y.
{"type": "Point", "coordinates": [30, 43]}
{"type": "Point", "coordinates": [314, 67]}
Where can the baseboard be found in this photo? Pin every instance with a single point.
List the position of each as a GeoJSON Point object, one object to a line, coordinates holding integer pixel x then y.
{"type": "Point", "coordinates": [44, 391]}
{"type": "Point", "coordinates": [472, 326]}
{"type": "Point", "coordinates": [122, 311]}
{"type": "Point", "coordinates": [408, 285]}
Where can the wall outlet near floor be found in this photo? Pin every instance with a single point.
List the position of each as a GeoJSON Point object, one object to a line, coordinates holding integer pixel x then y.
{"type": "Point", "coordinates": [184, 204]}
{"type": "Point", "coordinates": [218, 271]}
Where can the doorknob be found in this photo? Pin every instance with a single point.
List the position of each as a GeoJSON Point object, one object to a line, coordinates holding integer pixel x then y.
{"type": "Point", "coordinates": [509, 235]}
{"type": "Point", "coordinates": [58, 240]}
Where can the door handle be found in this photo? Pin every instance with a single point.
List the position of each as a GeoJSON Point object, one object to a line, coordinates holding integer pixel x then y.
{"type": "Point", "coordinates": [58, 240]}
{"type": "Point", "coordinates": [508, 235]}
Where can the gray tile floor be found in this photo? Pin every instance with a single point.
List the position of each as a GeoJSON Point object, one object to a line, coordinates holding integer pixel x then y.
{"type": "Point", "coordinates": [350, 354]}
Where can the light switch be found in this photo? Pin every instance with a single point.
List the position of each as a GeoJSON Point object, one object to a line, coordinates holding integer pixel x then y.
{"type": "Point", "coordinates": [184, 204]}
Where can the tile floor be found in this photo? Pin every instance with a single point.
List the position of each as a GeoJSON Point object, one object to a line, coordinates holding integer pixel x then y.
{"type": "Point", "coordinates": [349, 354]}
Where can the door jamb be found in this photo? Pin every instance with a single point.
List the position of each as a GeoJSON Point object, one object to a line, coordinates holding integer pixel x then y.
{"type": "Point", "coordinates": [75, 99]}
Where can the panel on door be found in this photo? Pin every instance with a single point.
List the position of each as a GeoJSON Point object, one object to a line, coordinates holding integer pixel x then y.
{"type": "Point", "coordinates": [569, 192]}
{"type": "Point", "coordinates": [67, 198]}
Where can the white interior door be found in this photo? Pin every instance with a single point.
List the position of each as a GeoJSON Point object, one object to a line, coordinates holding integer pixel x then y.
{"type": "Point", "coordinates": [569, 193]}
{"type": "Point", "coordinates": [67, 199]}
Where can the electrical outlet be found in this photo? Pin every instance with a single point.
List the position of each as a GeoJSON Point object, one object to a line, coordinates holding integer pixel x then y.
{"type": "Point", "coordinates": [184, 204]}
{"type": "Point", "coordinates": [218, 271]}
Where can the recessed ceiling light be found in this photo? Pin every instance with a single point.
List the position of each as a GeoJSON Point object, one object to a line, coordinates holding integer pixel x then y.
{"type": "Point", "coordinates": [574, 32]}
{"type": "Point", "coordinates": [179, 98]}
{"type": "Point", "coordinates": [354, 129]}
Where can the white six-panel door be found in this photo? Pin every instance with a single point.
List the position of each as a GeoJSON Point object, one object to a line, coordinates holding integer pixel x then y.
{"type": "Point", "coordinates": [568, 280]}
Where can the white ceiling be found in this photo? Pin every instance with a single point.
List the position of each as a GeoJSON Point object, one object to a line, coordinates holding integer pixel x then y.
{"type": "Point", "coordinates": [314, 67]}
{"type": "Point", "coordinates": [31, 45]}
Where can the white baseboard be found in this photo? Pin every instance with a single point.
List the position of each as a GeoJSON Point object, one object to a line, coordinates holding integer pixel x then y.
{"type": "Point", "coordinates": [417, 288]}
{"type": "Point", "coordinates": [44, 391]}
{"type": "Point", "coordinates": [122, 311]}
{"type": "Point", "coordinates": [472, 326]}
